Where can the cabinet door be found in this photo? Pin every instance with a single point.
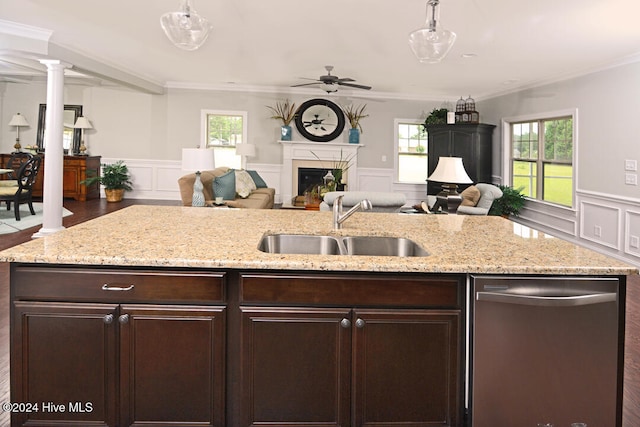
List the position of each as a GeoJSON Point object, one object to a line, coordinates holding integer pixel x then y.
{"type": "Point", "coordinates": [463, 144]}
{"type": "Point", "coordinates": [296, 367]}
{"type": "Point", "coordinates": [172, 365]}
{"type": "Point", "coordinates": [64, 358]}
{"type": "Point", "coordinates": [71, 180]}
{"type": "Point", "coordinates": [407, 368]}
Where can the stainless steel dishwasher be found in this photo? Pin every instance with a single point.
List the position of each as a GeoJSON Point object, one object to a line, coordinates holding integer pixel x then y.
{"type": "Point", "coordinates": [546, 350]}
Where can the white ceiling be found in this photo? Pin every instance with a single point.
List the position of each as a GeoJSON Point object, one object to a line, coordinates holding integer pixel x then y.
{"type": "Point", "coordinates": [270, 44]}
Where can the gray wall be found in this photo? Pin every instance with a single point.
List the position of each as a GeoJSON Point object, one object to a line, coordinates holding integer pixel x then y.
{"type": "Point", "coordinates": [141, 126]}
{"type": "Point", "coordinates": [608, 104]}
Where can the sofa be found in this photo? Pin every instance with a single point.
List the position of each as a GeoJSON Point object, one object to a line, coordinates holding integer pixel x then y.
{"type": "Point", "coordinates": [380, 201]}
{"type": "Point", "coordinates": [225, 180]}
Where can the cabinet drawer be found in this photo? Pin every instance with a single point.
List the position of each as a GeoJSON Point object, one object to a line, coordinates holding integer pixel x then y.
{"type": "Point", "coordinates": [352, 290]}
{"type": "Point", "coordinates": [114, 285]}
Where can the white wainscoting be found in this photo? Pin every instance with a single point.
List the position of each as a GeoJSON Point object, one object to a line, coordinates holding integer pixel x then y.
{"type": "Point", "coordinates": [378, 179]}
{"type": "Point", "coordinates": [605, 223]}
{"type": "Point", "coordinates": [153, 179]}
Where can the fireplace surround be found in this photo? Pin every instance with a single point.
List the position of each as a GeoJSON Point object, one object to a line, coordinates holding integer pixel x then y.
{"type": "Point", "coordinates": [300, 154]}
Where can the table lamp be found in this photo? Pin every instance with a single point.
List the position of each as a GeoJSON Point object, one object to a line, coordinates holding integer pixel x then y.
{"type": "Point", "coordinates": [18, 121]}
{"type": "Point", "coordinates": [450, 172]}
{"type": "Point", "coordinates": [197, 159]}
{"type": "Point", "coordinates": [82, 123]}
{"type": "Point", "coordinates": [244, 151]}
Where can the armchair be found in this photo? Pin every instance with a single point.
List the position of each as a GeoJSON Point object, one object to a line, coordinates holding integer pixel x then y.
{"type": "Point", "coordinates": [488, 193]}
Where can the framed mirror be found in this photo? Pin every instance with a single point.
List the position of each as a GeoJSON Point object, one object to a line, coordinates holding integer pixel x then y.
{"type": "Point", "coordinates": [71, 136]}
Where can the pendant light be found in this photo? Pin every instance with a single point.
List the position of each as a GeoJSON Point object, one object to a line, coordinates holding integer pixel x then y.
{"type": "Point", "coordinates": [186, 29]}
{"type": "Point", "coordinates": [431, 43]}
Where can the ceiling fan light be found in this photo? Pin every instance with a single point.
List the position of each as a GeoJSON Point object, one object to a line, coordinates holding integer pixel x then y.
{"type": "Point", "coordinates": [329, 88]}
{"type": "Point", "coordinates": [186, 29]}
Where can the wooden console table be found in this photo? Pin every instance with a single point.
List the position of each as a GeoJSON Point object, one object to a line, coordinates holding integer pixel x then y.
{"type": "Point", "coordinates": [75, 170]}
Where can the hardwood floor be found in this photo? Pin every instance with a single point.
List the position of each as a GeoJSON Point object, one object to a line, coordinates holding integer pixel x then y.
{"type": "Point", "coordinates": [84, 211]}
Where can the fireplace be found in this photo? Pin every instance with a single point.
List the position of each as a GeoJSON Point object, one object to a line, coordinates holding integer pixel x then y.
{"type": "Point", "coordinates": [308, 177]}
{"type": "Point", "coordinates": [314, 155]}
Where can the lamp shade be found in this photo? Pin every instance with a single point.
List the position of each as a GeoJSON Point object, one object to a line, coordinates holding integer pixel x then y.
{"type": "Point", "coordinates": [18, 120]}
{"type": "Point", "coordinates": [248, 150]}
{"type": "Point", "coordinates": [197, 159]}
{"type": "Point", "coordinates": [450, 170]}
{"type": "Point", "coordinates": [82, 123]}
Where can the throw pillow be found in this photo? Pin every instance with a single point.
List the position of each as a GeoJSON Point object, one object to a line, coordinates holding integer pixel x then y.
{"type": "Point", "coordinates": [244, 183]}
{"type": "Point", "coordinates": [258, 179]}
{"type": "Point", "coordinates": [470, 196]}
{"type": "Point", "coordinates": [225, 185]}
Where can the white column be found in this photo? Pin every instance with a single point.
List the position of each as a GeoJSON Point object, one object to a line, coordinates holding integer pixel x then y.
{"type": "Point", "coordinates": [54, 153]}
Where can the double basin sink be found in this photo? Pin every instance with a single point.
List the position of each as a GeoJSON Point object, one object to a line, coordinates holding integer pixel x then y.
{"type": "Point", "coordinates": [307, 244]}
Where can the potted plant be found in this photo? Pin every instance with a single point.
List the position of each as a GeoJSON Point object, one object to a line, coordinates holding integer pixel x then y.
{"type": "Point", "coordinates": [339, 168]}
{"type": "Point", "coordinates": [354, 115]}
{"type": "Point", "coordinates": [115, 178]}
{"type": "Point", "coordinates": [286, 112]}
{"type": "Point", "coordinates": [438, 116]}
{"type": "Point", "coordinates": [511, 202]}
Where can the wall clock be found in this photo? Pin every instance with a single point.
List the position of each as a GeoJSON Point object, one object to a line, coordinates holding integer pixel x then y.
{"type": "Point", "coordinates": [319, 120]}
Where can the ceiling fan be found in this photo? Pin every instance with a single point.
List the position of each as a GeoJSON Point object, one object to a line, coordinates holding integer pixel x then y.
{"type": "Point", "coordinates": [330, 82]}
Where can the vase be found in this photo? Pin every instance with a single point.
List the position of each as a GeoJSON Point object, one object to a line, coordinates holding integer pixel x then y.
{"type": "Point", "coordinates": [312, 199]}
{"type": "Point", "coordinates": [285, 133]}
{"type": "Point", "coordinates": [354, 136]}
{"type": "Point", "coordinates": [198, 195]}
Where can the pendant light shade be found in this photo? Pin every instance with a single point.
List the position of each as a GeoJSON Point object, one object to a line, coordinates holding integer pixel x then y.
{"type": "Point", "coordinates": [186, 29]}
{"type": "Point", "coordinates": [431, 43]}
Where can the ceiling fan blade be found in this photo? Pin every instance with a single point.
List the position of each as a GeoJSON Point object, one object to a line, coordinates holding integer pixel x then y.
{"type": "Point", "coordinates": [307, 78]}
{"type": "Point", "coordinates": [346, 79]}
{"type": "Point", "coordinates": [307, 84]}
{"type": "Point", "coordinates": [355, 85]}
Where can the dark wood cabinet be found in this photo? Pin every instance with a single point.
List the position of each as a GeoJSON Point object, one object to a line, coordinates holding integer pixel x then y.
{"type": "Point", "coordinates": [65, 354]}
{"type": "Point", "coordinates": [75, 169]}
{"type": "Point", "coordinates": [472, 142]}
{"type": "Point", "coordinates": [123, 347]}
{"type": "Point", "coordinates": [296, 367]}
{"type": "Point", "coordinates": [118, 364]}
{"type": "Point", "coordinates": [388, 364]}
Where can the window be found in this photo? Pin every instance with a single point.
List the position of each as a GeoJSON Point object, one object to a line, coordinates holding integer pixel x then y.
{"type": "Point", "coordinates": [411, 151]}
{"type": "Point", "coordinates": [222, 131]}
{"type": "Point", "coordinates": [542, 159]}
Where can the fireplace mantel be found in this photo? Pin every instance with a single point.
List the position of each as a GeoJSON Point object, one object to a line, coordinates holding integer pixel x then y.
{"type": "Point", "coordinates": [293, 151]}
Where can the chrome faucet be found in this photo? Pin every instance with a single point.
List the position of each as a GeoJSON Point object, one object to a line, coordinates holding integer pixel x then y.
{"type": "Point", "coordinates": [339, 217]}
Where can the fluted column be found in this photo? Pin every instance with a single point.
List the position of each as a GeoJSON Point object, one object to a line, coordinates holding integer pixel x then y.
{"type": "Point", "coordinates": [54, 154]}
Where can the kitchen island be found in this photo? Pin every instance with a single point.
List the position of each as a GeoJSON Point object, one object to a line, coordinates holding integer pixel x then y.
{"type": "Point", "coordinates": [172, 315]}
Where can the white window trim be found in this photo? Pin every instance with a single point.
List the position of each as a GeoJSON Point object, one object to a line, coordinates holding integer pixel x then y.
{"type": "Point", "coordinates": [396, 153]}
{"type": "Point", "coordinates": [506, 150]}
{"type": "Point", "coordinates": [203, 123]}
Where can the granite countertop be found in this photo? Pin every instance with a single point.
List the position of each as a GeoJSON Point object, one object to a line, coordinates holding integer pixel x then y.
{"type": "Point", "coordinates": [172, 236]}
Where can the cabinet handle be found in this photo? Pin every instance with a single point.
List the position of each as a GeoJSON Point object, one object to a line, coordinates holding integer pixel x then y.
{"type": "Point", "coordinates": [359, 323]}
{"type": "Point", "coordinates": [107, 287]}
{"type": "Point", "coordinates": [108, 319]}
{"type": "Point", "coordinates": [123, 319]}
{"type": "Point", "coordinates": [345, 323]}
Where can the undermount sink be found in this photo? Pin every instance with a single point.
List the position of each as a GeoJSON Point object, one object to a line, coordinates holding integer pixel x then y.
{"type": "Point", "coordinates": [299, 244]}
{"type": "Point", "coordinates": [382, 246]}
{"type": "Point", "coordinates": [307, 244]}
